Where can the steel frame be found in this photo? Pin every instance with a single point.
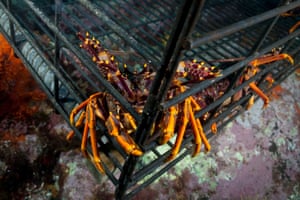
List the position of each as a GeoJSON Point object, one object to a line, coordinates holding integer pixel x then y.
{"type": "Point", "coordinates": [217, 39]}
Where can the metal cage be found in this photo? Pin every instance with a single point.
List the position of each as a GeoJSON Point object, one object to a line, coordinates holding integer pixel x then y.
{"type": "Point", "coordinates": [160, 33]}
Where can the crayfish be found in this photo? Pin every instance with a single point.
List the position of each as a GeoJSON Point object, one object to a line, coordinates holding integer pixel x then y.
{"type": "Point", "coordinates": [120, 124]}
{"type": "Point", "coordinates": [177, 117]}
{"type": "Point", "coordinates": [102, 107]}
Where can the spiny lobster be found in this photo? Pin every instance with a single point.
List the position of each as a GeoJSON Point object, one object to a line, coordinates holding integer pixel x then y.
{"type": "Point", "coordinates": [120, 124]}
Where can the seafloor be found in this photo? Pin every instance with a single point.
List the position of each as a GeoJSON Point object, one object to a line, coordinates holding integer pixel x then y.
{"type": "Point", "coordinates": [256, 156]}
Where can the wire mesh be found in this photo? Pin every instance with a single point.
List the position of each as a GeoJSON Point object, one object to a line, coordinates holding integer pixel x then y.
{"type": "Point", "coordinates": [228, 34]}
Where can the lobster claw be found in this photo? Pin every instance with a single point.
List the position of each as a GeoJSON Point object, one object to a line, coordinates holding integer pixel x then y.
{"type": "Point", "coordinates": [124, 140]}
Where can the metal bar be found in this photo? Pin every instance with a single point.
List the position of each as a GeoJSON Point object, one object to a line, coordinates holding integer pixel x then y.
{"type": "Point", "coordinates": [127, 180]}
{"type": "Point", "coordinates": [213, 25]}
{"type": "Point", "coordinates": [89, 65]}
{"type": "Point", "coordinates": [217, 34]}
{"type": "Point", "coordinates": [227, 72]}
{"type": "Point", "coordinates": [226, 113]}
{"type": "Point", "coordinates": [290, 43]}
{"type": "Point", "coordinates": [31, 40]}
{"type": "Point", "coordinates": [155, 176]}
{"type": "Point", "coordinates": [219, 20]}
{"type": "Point", "coordinates": [57, 50]}
{"type": "Point", "coordinates": [160, 162]}
{"type": "Point", "coordinates": [182, 155]}
{"type": "Point", "coordinates": [286, 74]}
{"type": "Point", "coordinates": [150, 167]}
{"type": "Point", "coordinates": [231, 92]}
{"type": "Point", "coordinates": [58, 7]}
{"type": "Point", "coordinates": [37, 78]}
{"type": "Point", "coordinates": [136, 15]}
{"type": "Point", "coordinates": [11, 26]}
{"type": "Point", "coordinates": [198, 12]}
{"type": "Point", "coordinates": [118, 29]}
{"type": "Point", "coordinates": [167, 70]}
{"type": "Point", "coordinates": [185, 17]}
{"type": "Point", "coordinates": [295, 51]}
{"type": "Point", "coordinates": [245, 14]}
{"type": "Point", "coordinates": [264, 36]}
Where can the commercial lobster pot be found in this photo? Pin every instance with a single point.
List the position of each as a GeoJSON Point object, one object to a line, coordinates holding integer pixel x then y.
{"type": "Point", "coordinates": [144, 84]}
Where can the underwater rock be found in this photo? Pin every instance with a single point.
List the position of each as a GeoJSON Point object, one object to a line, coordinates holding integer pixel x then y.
{"type": "Point", "coordinates": [32, 147]}
{"type": "Point", "coordinates": [77, 180]}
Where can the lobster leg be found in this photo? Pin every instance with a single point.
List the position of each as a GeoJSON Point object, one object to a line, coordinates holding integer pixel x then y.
{"type": "Point", "coordinates": [78, 123]}
{"type": "Point", "coordinates": [180, 134]}
{"type": "Point", "coordinates": [196, 130]}
{"type": "Point", "coordinates": [272, 58]}
{"type": "Point", "coordinates": [82, 116]}
{"type": "Point", "coordinates": [84, 138]}
{"type": "Point", "coordinates": [294, 27]}
{"type": "Point", "coordinates": [203, 136]}
{"type": "Point", "coordinates": [260, 93]}
{"type": "Point", "coordinates": [168, 132]}
{"type": "Point", "coordinates": [261, 61]}
{"type": "Point", "coordinates": [77, 109]}
{"type": "Point", "coordinates": [91, 118]}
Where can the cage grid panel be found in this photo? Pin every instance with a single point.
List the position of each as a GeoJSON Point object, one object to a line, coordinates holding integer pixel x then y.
{"type": "Point", "coordinates": [50, 49]}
